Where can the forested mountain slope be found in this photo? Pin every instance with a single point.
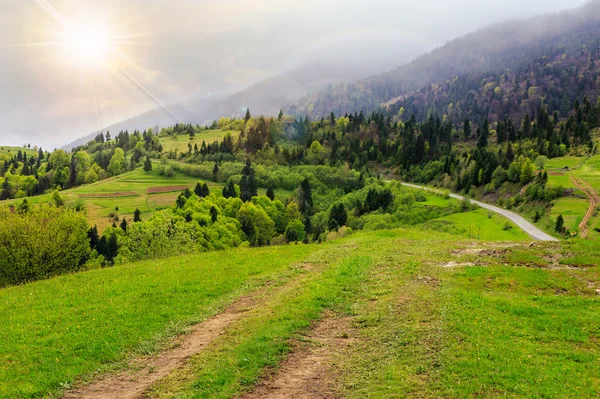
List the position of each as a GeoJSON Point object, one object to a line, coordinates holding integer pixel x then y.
{"type": "Point", "coordinates": [498, 48]}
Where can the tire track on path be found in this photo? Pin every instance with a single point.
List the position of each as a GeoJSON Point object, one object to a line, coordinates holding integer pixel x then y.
{"type": "Point", "coordinates": [594, 199]}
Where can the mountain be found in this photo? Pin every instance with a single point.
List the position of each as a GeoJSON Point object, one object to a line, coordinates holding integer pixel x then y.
{"type": "Point", "coordinates": [266, 97]}
{"type": "Point", "coordinates": [496, 48]}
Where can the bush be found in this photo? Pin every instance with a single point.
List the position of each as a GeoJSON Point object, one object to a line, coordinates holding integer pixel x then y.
{"type": "Point", "coordinates": [168, 171]}
{"type": "Point", "coordinates": [45, 241]}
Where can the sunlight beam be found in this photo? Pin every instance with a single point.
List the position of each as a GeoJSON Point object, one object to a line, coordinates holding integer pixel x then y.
{"type": "Point", "coordinates": [146, 92]}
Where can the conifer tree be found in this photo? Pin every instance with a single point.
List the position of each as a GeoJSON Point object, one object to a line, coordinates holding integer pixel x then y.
{"type": "Point", "coordinates": [147, 165]}
{"type": "Point", "coordinates": [137, 216]}
{"type": "Point", "coordinates": [271, 193]}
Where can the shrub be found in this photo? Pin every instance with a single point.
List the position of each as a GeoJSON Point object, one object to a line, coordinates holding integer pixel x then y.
{"type": "Point", "coordinates": [44, 242]}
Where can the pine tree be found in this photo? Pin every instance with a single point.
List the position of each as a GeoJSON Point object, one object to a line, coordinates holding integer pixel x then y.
{"type": "Point", "coordinates": [147, 165]}
{"type": "Point", "coordinates": [137, 216]}
{"type": "Point", "coordinates": [229, 190]}
{"type": "Point", "coordinates": [205, 190]}
{"type": "Point", "coordinates": [93, 236]}
{"type": "Point", "coordinates": [305, 197]}
{"type": "Point", "coordinates": [198, 190]}
{"type": "Point", "coordinates": [560, 224]}
{"type": "Point", "coordinates": [215, 171]}
{"type": "Point", "coordinates": [248, 116]}
{"type": "Point", "coordinates": [73, 172]}
{"type": "Point", "coordinates": [467, 129]}
{"type": "Point", "coordinates": [6, 192]}
{"type": "Point", "coordinates": [248, 187]}
{"type": "Point", "coordinates": [124, 225]}
{"type": "Point", "coordinates": [214, 214]}
{"type": "Point", "coordinates": [271, 193]}
{"type": "Point", "coordinates": [280, 116]}
{"type": "Point", "coordinates": [484, 135]}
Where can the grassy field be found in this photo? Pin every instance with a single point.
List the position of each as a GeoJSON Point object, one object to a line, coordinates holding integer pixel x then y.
{"type": "Point", "coordinates": [15, 150]}
{"type": "Point", "coordinates": [570, 162]}
{"type": "Point", "coordinates": [574, 207]}
{"type": "Point", "coordinates": [436, 314]}
{"type": "Point", "coordinates": [180, 143]}
{"type": "Point", "coordinates": [131, 191]}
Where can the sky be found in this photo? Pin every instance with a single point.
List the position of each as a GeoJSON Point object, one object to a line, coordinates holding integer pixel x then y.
{"type": "Point", "coordinates": [72, 67]}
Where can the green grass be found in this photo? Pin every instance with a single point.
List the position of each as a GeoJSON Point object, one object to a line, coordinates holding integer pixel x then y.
{"type": "Point", "coordinates": [479, 224]}
{"type": "Point", "coordinates": [66, 328]}
{"type": "Point", "coordinates": [570, 162]}
{"type": "Point", "coordinates": [573, 210]}
{"type": "Point", "coordinates": [590, 172]}
{"type": "Point", "coordinates": [511, 326]}
{"type": "Point", "coordinates": [15, 150]}
{"type": "Point", "coordinates": [137, 182]}
{"type": "Point", "coordinates": [474, 332]}
{"type": "Point", "coordinates": [180, 143]}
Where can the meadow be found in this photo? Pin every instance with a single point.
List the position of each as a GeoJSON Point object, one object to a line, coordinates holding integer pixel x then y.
{"type": "Point", "coordinates": [180, 143]}
{"type": "Point", "coordinates": [430, 314]}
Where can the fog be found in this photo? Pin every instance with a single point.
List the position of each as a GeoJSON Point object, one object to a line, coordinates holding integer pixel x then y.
{"type": "Point", "coordinates": [176, 50]}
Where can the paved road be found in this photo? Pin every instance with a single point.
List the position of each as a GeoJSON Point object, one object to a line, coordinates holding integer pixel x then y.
{"type": "Point", "coordinates": [517, 219]}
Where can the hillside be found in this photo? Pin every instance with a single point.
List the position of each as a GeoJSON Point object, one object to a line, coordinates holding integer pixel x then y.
{"type": "Point", "coordinates": [266, 97]}
{"type": "Point", "coordinates": [385, 318]}
{"type": "Point", "coordinates": [497, 48]}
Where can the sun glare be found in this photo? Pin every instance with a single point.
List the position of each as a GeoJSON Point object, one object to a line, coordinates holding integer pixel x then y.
{"type": "Point", "coordinates": [87, 42]}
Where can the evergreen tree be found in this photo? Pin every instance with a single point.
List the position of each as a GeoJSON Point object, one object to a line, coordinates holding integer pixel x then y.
{"type": "Point", "coordinates": [147, 165]}
{"type": "Point", "coordinates": [484, 135]}
{"type": "Point", "coordinates": [280, 116]}
{"type": "Point", "coordinates": [93, 236]}
{"type": "Point", "coordinates": [124, 225]}
{"type": "Point", "coordinates": [339, 214]}
{"type": "Point", "coordinates": [467, 129]}
{"type": "Point", "coordinates": [181, 200]}
{"type": "Point", "coordinates": [198, 190]}
{"type": "Point", "coordinates": [214, 214]}
{"type": "Point", "coordinates": [271, 193]}
{"type": "Point", "coordinates": [73, 172]}
{"type": "Point", "coordinates": [6, 192]}
{"type": "Point", "coordinates": [560, 224]}
{"type": "Point", "coordinates": [205, 190]}
{"type": "Point", "coordinates": [229, 190]}
{"type": "Point", "coordinates": [137, 216]}
{"type": "Point", "coordinates": [305, 199]}
{"type": "Point", "coordinates": [215, 171]}
{"type": "Point", "coordinates": [248, 187]}
{"type": "Point", "coordinates": [248, 116]}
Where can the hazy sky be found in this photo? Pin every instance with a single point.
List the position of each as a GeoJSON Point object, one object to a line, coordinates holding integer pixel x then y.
{"type": "Point", "coordinates": [60, 78]}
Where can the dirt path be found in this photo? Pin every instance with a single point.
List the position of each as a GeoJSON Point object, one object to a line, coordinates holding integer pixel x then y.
{"type": "Point", "coordinates": [132, 384]}
{"type": "Point", "coordinates": [308, 372]}
{"type": "Point", "coordinates": [594, 203]}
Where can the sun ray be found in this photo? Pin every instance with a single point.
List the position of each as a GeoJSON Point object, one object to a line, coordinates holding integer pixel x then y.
{"type": "Point", "coordinates": [145, 91]}
{"type": "Point", "coordinates": [38, 44]}
{"type": "Point", "coordinates": [51, 10]}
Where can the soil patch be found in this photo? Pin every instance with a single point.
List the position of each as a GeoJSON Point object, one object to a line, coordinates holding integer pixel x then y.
{"type": "Point", "coordinates": [168, 189]}
{"type": "Point", "coordinates": [308, 373]}
{"type": "Point", "coordinates": [110, 195]}
{"type": "Point", "coordinates": [133, 384]}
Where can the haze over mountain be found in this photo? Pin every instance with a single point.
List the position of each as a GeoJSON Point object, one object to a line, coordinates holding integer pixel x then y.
{"type": "Point", "coordinates": [179, 56]}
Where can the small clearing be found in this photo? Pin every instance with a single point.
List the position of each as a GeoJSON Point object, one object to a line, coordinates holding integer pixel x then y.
{"type": "Point", "coordinates": [133, 384]}
{"type": "Point", "coordinates": [309, 372]}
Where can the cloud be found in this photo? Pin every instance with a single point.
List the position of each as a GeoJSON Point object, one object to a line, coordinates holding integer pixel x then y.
{"type": "Point", "coordinates": [176, 49]}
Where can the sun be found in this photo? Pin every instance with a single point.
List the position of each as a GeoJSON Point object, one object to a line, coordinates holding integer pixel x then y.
{"type": "Point", "coordinates": [87, 42]}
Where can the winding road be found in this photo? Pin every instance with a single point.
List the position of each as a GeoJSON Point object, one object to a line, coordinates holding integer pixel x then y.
{"type": "Point", "coordinates": [517, 219]}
